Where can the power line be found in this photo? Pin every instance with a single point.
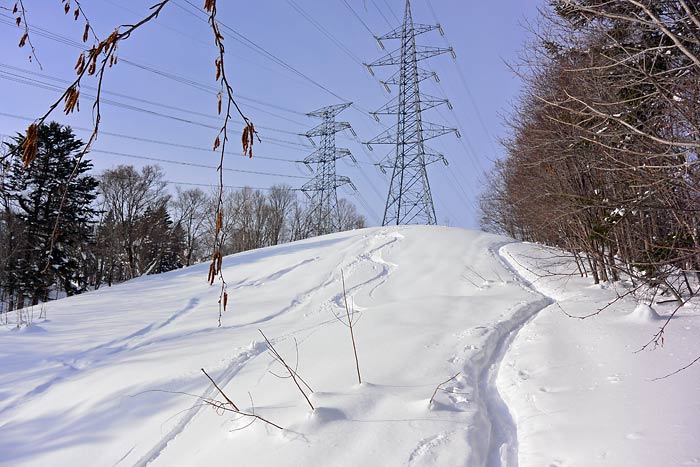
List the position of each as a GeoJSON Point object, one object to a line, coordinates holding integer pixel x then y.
{"type": "Point", "coordinates": [42, 85]}
{"type": "Point", "coordinates": [212, 185]}
{"type": "Point", "coordinates": [391, 10]}
{"type": "Point", "coordinates": [156, 141]}
{"type": "Point", "coordinates": [187, 164]}
{"type": "Point", "coordinates": [172, 76]}
{"type": "Point", "coordinates": [193, 164]}
{"type": "Point", "coordinates": [463, 80]}
{"type": "Point", "coordinates": [324, 31]}
{"type": "Point", "coordinates": [358, 17]}
{"type": "Point", "coordinates": [264, 52]}
{"type": "Point", "coordinates": [259, 49]}
{"type": "Point", "coordinates": [139, 99]}
{"type": "Point", "coordinates": [381, 13]}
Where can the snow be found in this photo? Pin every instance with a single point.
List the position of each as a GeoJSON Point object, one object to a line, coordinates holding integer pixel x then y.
{"type": "Point", "coordinates": [582, 393]}
{"type": "Point", "coordinates": [102, 381]}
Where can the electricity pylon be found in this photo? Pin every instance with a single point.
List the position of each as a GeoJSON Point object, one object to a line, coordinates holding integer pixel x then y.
{"type": "Point", "coordinates": [410, 200]}
{"type": "Point", "coordinates": [324, 216]}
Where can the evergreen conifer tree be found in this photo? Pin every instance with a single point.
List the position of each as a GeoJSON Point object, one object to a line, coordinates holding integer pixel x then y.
{"type": "Point", "coordinates": [36, 194]}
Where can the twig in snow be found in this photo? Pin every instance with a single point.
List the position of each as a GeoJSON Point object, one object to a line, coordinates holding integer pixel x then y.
{"type": "Point", "coordinates": [292, 373]}
{"type": "Point", "coordinates": [221, 406]}
{"type": "Point", "coordinates": [439, 387]}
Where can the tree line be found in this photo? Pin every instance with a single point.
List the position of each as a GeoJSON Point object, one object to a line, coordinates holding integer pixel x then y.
{"type": "Point", "coordinates": [122, 223]}
{"type": "Point", "coordinates": [602, 156]}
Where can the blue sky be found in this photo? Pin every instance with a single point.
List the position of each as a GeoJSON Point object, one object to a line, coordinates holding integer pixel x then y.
{"type": "Point", "coordinates": [304, 70]}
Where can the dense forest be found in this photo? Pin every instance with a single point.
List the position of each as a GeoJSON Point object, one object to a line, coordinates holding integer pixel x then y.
{"type": "Point", "coordinates": [124, 222]}
{"type": "Point", "coordinates": [602, 157]}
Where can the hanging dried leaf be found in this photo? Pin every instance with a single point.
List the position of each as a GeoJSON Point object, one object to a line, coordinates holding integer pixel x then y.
{"type": "Point", "coordinates": [209, 5]}
{"type": "Point", "coordinates": [66, 8]}
{"type": "Point", "coordinates": [71, 100]}
{"type": "Point", "coordinates": [219, 221]}
{"type": "Point", "coordinates": [225, 299]}
{"type": "Point", "coordinates": [80, 64]}
{"type": "Point", "coordinates": [76, 13]}
{"type": "Point", "coordinates": [217, 63]}
{"type": "Point", "coordinates": [218, 101]}
{"type": "Point", "coordinates": [244, 139]}
{"type": "Point", "coordinates": [85, 31]}
{"type": "Point", "coordinates": [15, 9]}
{"type": "Point", "coordinates": [18, 21]}
{"type": "Point", "coordinates": [23, 39]}
{"type": "Point", "coordinates": [30, 145]}
{"type": "Point", "coordinates": [247, 139]}
{"type": "Point", "coordinates": [217, 143]}
{"type": "Point", "coordinates": [92, 67]}
{"type": "Point", "coordinates": [211, 275]}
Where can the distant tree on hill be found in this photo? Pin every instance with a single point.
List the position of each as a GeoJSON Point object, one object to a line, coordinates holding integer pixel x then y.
{"type": "Point", "coordinates": [127, 196]}
{"type": "Point", "coordinates": [161, 244]}
{"type": "Point", "coordinates": [189, 208]}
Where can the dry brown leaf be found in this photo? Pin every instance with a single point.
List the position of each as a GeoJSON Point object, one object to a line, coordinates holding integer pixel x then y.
{"type": "Point", "coordinates": [30, 145]}
{"type": "Point", "coordinates": [217, 62]}
{"type": "Point", "coordinates": [85, 32]}
{"type": "Point", "coordinates": [80, 64]}
{"type": "Point", "coordinates": [71, 99]}
{"type": "Point", "coordinates": [23, 39]}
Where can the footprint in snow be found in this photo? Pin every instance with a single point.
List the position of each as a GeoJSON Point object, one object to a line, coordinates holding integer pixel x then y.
{"type": "Point", "coordinates": [614, 379]}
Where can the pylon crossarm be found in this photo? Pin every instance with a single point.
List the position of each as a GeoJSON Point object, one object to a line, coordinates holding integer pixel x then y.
{"type": "Point", "coordinates": [395, 79]}
{"type": "Point", "coordinates": [433, 130]}
{"type": "Point", "coordinates": [331, 110]}
{"type": "Point", "coordinates": [341, 180]}
{"type": "Point", "coordinates": [435, 157]}
{"type": "Point", "coordinates": [388, 108]}
{"type": "Point", "coordinates": [392, 58]}
{"type": "Point", "coordinates": [342, 152]}
{"type": "Point", "coordinates": [426, 103]}
{"type": "Point", "coordinates": [315, 157]}
{"type": "Point", "coordinates": [418, 29]}
{"type": "Point", "coordinates": [424, 52]}
{"type": "Point", "coordinates": [388, 136]}
{"type": "Point", "coordinates": [325, 128]}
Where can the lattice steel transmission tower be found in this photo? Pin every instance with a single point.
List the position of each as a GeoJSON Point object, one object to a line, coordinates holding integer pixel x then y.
{"type": "Point", "coordinates": [322, 188]}
{"type": "Point", "coordinates": [410, 200]}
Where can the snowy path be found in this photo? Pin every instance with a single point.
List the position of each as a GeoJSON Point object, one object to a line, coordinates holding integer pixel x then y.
{"type": "Point", "coordinates": [578, 390]}
{"type": "Point", "coordinates": [503, 440]}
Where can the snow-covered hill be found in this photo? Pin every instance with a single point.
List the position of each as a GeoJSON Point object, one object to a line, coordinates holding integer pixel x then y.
{"type": "Point", "coordinates": [113, 377]}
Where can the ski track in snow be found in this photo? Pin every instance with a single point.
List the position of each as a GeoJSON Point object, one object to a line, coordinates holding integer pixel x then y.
{"type": "Point", "coordinates": [236, 364]}
{"type": "Point", "coordinates": [500, 434]}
